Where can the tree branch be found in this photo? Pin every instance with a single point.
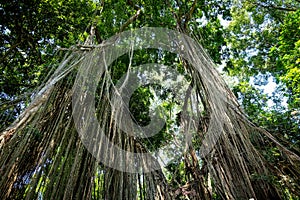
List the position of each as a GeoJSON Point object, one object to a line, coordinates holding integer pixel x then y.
{"type": "Point", "coordinates": [130, 20]}
{"type": "Point", "coordinates": [289, 9]}
{"type": "Point", "coordinates": [24, 118]}
{"type": "Point", "coordinates": [98, 36]}
{"type": "Point", "coordinates": [189, 14]}
{"type": "Point", "coordinates": [9, 50]}
{"type": "Point", "coordinates": [130, 3]}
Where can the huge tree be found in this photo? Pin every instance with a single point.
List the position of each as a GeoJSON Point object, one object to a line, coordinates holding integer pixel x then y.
{"type": "Point", "coordinates": [43, 154]}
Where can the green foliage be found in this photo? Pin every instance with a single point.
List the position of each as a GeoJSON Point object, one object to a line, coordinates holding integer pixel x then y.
{"type": "Point", "coordinates": [261, 41]}
{"type": "Point", "coordinates": [286, 54]}
{"type": "Point", "coordinates": [264, 43]}
{"type": "Point", "coordinates": [31, 31]}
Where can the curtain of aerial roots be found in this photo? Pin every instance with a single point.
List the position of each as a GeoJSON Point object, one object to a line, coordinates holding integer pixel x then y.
{"type": "Point", "coordinates": [43, 156]}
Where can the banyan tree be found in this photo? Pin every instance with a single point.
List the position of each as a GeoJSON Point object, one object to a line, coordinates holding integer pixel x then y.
{"type": "Point", "coordinates": [142, 115]}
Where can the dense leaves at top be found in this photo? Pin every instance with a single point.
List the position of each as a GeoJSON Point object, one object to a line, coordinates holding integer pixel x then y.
{"type": "Point", "coordinates": [31, 30]}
